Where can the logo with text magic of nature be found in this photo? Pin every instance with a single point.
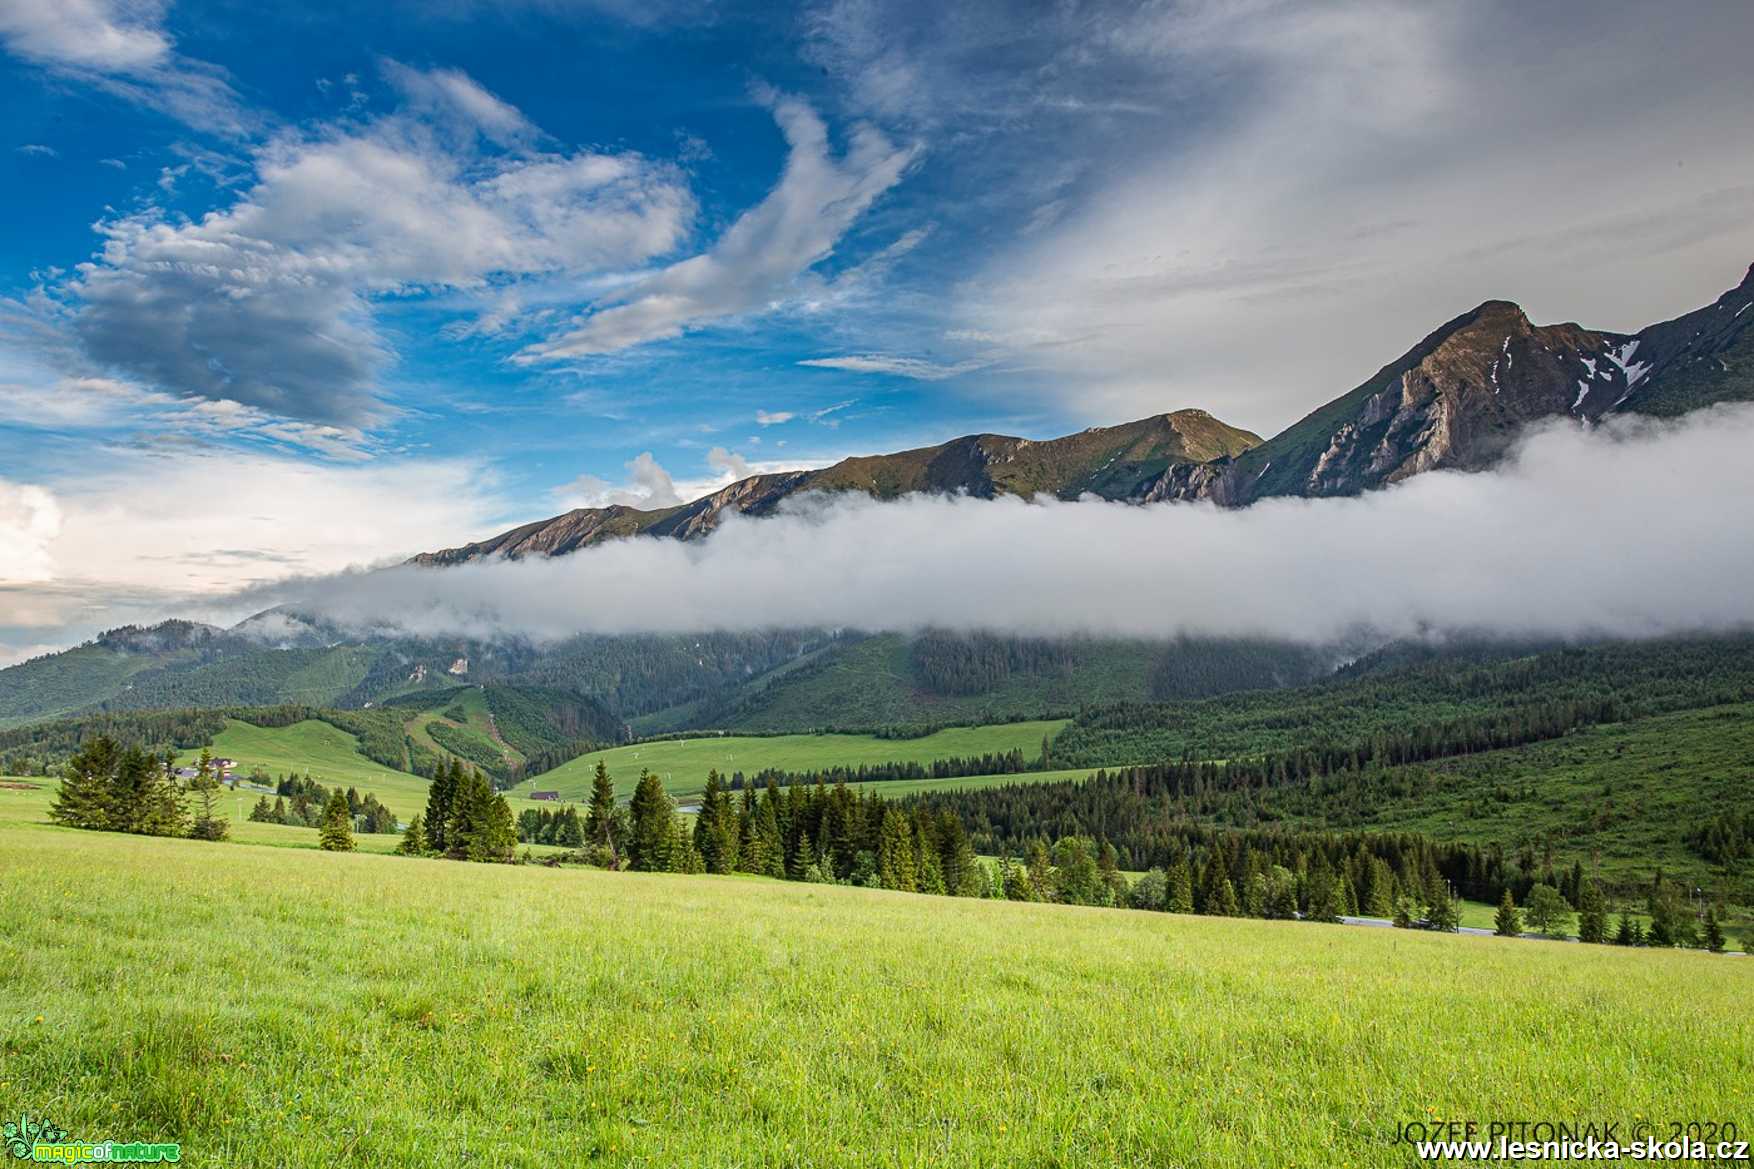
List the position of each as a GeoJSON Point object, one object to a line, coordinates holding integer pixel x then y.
{"type": "Point", "coordinates": [41, 1141]}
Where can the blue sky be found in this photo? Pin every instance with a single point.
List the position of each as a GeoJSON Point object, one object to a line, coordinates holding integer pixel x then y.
{"type": "Point", "coordinates": [285, 289]}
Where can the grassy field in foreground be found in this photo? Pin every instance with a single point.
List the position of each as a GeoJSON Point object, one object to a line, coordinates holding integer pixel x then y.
{"type": "Point", "coordinates": [683, 763]}
{"type": "Point", "coordinates": [280, 1007]}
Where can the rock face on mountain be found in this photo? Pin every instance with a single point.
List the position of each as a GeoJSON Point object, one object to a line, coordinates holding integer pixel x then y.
{"type": "Point", "coordinates": [1457, 399]}
{"type": "Point", "coordinates": [1114, 462]}
{"type": "Point", "coordinates": [1694, 360]}
{"type": "Point", "coordinates": [1460, 397]}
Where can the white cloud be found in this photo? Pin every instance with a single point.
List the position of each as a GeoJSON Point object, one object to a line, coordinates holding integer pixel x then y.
{"type": "Point", "coordinates": [269, 302]}
{"type": "Point", "coordinates": [1335, 180]}
{"type": "Point", "coordinates": [773, 418]}
{"type": "Point", "coordinates": [729, 463]}
{"type": "Point", "coordinates": [137, 537]}
{"type": "Point", "coordinates": [762, 258]}
{"type": "Point", "coordinates": [29, 522]}
{"type": "Point", "coordinates": [649, 486]}
{"type": "Point", "coordinates": [915, 368]}
{"type": "Point", "coordinates": [89, 34]}
{"type": "Point", "coordinates": [1539, 548]}
{"type": "Point", "coordinates": [75, 402]}
{"type": "Point", "coordinates": [39, 150]}
{"type": "Point", "coordinates": [122, 47]}
{"type": "Point", "coordinates": [453, 93]}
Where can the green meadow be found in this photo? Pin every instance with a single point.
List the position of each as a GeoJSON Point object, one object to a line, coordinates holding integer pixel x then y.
{"type": "Point", "coordinates": [683, 763]}
{"type": "Point", "coordinates": [328, 755]}
{"type": "Point", "coordinates": [292, 1007]}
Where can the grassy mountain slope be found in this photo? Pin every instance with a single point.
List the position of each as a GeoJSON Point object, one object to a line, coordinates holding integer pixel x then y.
{"type": "Point", "coordinates": [326, 753]}
{"type": "Point", "coordinates": [582, 1016]}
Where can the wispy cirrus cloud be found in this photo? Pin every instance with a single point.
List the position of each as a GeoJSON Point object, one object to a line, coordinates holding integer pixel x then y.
{"type": "Point", "coordinates": [914, 368]}
{"type": "Point", "coordinates": [761, 258]}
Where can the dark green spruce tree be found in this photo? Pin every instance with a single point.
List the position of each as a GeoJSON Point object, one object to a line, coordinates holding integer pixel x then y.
{"type": "Point", "coordinates": [1592, 913]}
{"type": "Point", "coordinates": [1508, 923]}
{"type": "Point", "coordinates": [481, 827]}
{"type": "Point", "coordinates": [440, 795]}
{"type": "Point", "coordinates": [600, 815]}
{"type": "Point", "coordinates": [87, 795]}
{"type": "Point", "coordinates": [335, 834]}
{"type": "Point", "coordinates": [648, 846]}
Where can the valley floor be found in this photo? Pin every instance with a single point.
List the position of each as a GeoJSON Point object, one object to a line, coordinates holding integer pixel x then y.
{"type": "Point", "coordinates": [291, 1007]}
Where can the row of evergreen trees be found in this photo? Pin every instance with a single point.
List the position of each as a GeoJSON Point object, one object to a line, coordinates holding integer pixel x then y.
{"type": "Point", "coordinates": [465, 819]}
{"type": "Point", "coordinates": [562, 826]}
{"type": "Point", "coordinates": [108, 788]}
{"type": "Point", "coordinates": [817, 833]}
{"type": "Point", "coordinates": [1012, 762]}
{"type": "Point", "coordinates": [303, 802]}
{"type": "Point", "coordinates": [1549, 911]}
{"type": "Point", "coordinates": [834, 834]}
{"type": "Point", "coordinates": [1140, 814]}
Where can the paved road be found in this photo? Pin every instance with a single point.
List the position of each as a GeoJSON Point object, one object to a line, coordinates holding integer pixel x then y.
{"type": "Point", "coordinates": [1385, 923]}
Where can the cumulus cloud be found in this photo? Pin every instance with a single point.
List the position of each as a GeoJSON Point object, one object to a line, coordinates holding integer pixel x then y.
{"type": "Point", "coordinates": [268, 303]}
{"type": "Point", "coordinates": [1636, 528]}
{"type": "Point", "coordinates": [89, 34]}
{"type": "Point", "coordinates": [729, 463]}
{"type": "Point", "coordinates": [648, 486]}
{"type": "Point", "coordinates": [29, 522]}
{"type": "Point", "coordinates": [761, 258]}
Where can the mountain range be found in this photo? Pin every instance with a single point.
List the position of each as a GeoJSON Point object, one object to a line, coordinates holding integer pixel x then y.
{"type": "Point", "coordinates": [1456, 400]}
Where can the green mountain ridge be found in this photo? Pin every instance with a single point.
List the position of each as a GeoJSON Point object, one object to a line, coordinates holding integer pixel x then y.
{"type": "Point", "coordinates": [1113, 462]}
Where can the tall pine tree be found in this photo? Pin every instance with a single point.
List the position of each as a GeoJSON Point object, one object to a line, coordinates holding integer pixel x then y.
{"type": "Point", "coordinates": [440, 795]}
{"type": "Point", "coordinates": [335, 834]}
{"type": "Point", "coordinates": [648, 846]}
{"type": "Point", "coordinates": [600, 814]}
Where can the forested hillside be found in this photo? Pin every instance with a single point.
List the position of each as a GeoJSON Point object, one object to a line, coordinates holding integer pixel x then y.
{"type": "Point", "coordinates": [938, 678]}
{"type": "Point", "coordinates": [1538, 789]}
{"type": "Point", "coordinates": [1402, 689]}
